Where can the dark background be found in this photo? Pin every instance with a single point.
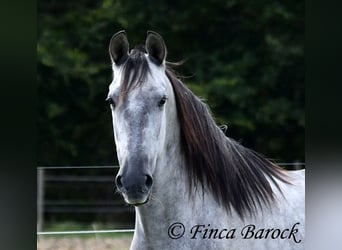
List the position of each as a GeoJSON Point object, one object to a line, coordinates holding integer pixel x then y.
{"type": "Point", "coordinates": [245, 58]}
{"type": "Point", "coordinates": [323, 54]}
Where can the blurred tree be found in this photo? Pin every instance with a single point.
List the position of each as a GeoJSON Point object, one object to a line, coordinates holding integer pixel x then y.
{"type": "Point", "coordinates": [244, 57]}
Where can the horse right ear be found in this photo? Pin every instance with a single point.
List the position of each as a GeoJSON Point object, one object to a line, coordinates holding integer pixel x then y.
{"type": "Point", "coordinates": [155, 47]}
{"type": "Point", "coordinates": [118, 47]}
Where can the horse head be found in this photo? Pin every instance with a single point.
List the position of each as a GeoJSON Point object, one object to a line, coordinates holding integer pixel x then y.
{"type": "Point", "coordinates": [140, 97]}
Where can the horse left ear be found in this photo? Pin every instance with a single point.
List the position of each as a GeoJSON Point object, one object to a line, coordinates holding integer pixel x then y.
{"type": "Point", "coordinates": [155, 47]}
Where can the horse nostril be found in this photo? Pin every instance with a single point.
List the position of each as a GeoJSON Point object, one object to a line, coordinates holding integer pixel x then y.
{"type": "Point", "coordinates": [118, 182]}
{"type": "Point", "coordinates": [148, 181]}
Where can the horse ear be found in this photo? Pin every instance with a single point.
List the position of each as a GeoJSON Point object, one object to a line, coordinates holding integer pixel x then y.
{"type": "Point", "coordinates": [118, 47]}
{"type": "Point", "coordinates": [155, 47]}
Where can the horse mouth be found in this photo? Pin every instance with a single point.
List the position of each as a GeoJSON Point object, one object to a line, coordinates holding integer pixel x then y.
{"type": "Point", "coordinates": [135, 200]}
{"type": "Point", "coordinates": [139, 203]}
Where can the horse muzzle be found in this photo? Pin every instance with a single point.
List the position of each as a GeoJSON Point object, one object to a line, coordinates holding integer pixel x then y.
{"type": "Point", "coordinates": [134, 189]}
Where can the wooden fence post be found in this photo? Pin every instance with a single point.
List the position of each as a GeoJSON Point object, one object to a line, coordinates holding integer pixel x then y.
{"type": "Point", "coordinates": [40, 199]}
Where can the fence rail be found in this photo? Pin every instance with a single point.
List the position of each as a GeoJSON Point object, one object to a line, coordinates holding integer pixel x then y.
{"type": "Point", "coordinates": [87, 232]}
{"type": "Point", "coordinates": [72, 178]}
{"type": "Point", "coordinates": [75, 167]}
{"type": "Point", "coordinates": [85, 206]}
{"type": "Point", "coordinates": [114, 167]}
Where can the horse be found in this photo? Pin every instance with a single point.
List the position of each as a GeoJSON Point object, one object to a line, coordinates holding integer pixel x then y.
{"type": "Point", "coordinates": [192, 186]}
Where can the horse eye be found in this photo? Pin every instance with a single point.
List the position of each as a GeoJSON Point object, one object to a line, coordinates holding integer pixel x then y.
{"type": "Point", "coordinates": [110, 101]}
{"type": "Point", "coordinates": [162, 101]}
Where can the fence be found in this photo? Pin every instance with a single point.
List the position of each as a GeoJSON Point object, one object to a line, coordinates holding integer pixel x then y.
{"type": "Point", "coordinates": [65, 180]}
{"type": "Point", "coordinates": [86, 206]}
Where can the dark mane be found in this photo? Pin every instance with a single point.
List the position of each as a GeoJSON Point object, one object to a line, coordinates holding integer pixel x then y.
{"type": "Point", "coordinates": [237, 177]}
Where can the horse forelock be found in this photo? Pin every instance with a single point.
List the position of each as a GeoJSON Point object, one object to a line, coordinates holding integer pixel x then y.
{"type": "Point", "coordinates": [134, 71]}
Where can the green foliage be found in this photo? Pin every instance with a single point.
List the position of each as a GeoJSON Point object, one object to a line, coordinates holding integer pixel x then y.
{"type": "Point", "coordinates": [244, 57]}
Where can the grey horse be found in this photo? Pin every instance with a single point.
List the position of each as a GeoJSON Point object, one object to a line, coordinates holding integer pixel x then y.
{"type": "Point", "coordinates": [192, 187]}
